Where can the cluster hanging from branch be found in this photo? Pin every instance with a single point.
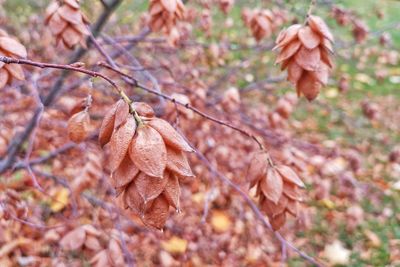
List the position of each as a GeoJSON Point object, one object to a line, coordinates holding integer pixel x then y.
{"type": "Point", "coordinates": [67, 23]}
{"type": "Point", "coordinates": [262, 23]}
{"type": "Point", "coordinates": [9, 47]}
{"type": "Point", "coordinates": [147, 160]}
{"type": "Point", "coordinates": [165, 15]}
{"type": "Point", "coordinates": [277, 188]}
{"type": "Point", "coordinates": [305, 51]}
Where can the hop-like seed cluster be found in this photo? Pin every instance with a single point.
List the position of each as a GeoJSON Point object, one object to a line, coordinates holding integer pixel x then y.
{"type": "Point", "coordinates": [165, 14]}
{"type": "Point", "coordinates": [277, 188]}
{"type": "Point", "coordinates": [262, 24]}
{"type": "Point", "coordinates": [305, 52]}
{"type": "Point", "coordinates": [226, 5]}
{"type": "Point", "coordinates": [10, 48]}
{"type": "Point", "coordinates": [67, 23]}
{"type": "Point", "coordinates": [147, 161]}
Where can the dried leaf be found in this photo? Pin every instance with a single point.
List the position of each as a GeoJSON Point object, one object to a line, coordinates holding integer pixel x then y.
{"type": "Point", "coordinates": [134, 200]}
{"type": "Point", "coordinates": [150, 187]}
{"type": "Point", "coordinates": [289, 175]}
{"type": "Point", "coordinates": [220, 221]}
{"type": "Point", "coordinates": [309, 38]}
{"type": "Point", "coordinates": [115, 253]}
{"type": "Point", "coordinates": [172, 190]}
{"type": "Point", "coordinates": [78, 126]}
{"type": "Point", "coordinates": [15, 71]}
{"type": "Point", "coordinates": [308, 59]}
{"type": "Point", "coordinates": [125, 172]}
{"type": "Point", "coordinates": [278, 221]}
{"type": "Point", "coordinates": [143, 109]}
{"type": "Point", "coordinates": [272, 185]}
{"type": "Point", "coordinates": [178, 163]}
{"type": "Point", "coordinates": [121, 113]}
{"type": "Point", "coordinates": [92, 243]}
{"type": "Point", "coordinates": [288, 51]}
{"type": "Point", "coordinates": [107, 126]}
{"type": "Point", "coordinates": [12, 46]}
{"type": "Point", "coordinates": [120, 141]}
{"type": "Point", "coordinates": [318, 25]}
{"type": "Point", "coordinates": [257, 168]}
{"type": "Point", "coordinates": [74, 239]}
{"type": "Point", "coordinates": [157, 214]}
{"type": "Point", "coordinates": [148, 151]}
{"type": "Point", "coordinates": [175, 245]}
{"type": "Point", "coordinates": [170, 135]}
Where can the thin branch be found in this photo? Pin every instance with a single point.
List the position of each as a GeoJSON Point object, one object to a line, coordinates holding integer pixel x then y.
{"type": "Point", "coordinates": [255, 209]}
{"type": "Point", "coordinates": [134, 82]}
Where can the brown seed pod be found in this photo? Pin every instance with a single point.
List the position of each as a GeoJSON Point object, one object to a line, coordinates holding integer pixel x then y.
{"type": "Point", "coordinates": [262, 23]}
{"type": "Point", "coordinates": [10, 48]}
{"type": "Point", "coordinates": [67, 23]}
{"type": "Point", "coordinates": [165, 14]}
{"type": "Point", "coordinates": [226, 5]}
{"type": "Point", "coordinates": [277, 188]}
{"type": "Point", "coordinates": [148, 151]}
{"type": "Point", "coordinates": [305, 51]}
{"type": "Point", "coordinates": [78, 126]}
{"type": "Point", "coordinates": [146, 161]}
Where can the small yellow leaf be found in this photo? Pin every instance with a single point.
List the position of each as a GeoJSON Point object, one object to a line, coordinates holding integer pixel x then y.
{"type": "Point", "coordinates": [331, 92]}
{"type": "Point", "coordinates": [60, 199]}
{"type": "Point", "coordinates": [328, 203]}
{"type": "Point", "coordinates": [175, 245]}
{"type": "Point", "coordinates": [220, 221]}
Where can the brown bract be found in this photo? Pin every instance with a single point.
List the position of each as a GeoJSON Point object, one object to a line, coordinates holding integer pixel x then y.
{"type": "Point", "coordinates": [10, 47]}
{"type": "Point", "coordinates": [305, 52]}
{"type": "Point", "coordinates": [165, 14]}
{"type": "Point", "coordinates": [78, 126]}
{"type": "Point", "coordinates": [277, 188]}
{"type": "Point", "coordinates": [67, 23]}
{"type": "Point", "coordinates": [262, 23]}
{"type": "Point", "coordinates": [147, 161]}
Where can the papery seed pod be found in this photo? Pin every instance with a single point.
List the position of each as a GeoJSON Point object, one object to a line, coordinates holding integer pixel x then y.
{"type": "Point", "coordinates": [226, 5]}
{"type": "Point", "coordinates": [147, 161]}
{"type": "Point", "coordinates": [78, 126]}
{"type": "Point", "coordinates": [305, 52]}
{"type": "Point", "coordinates": [10, 48]}
{"type": "Point", "coordinates": [360, 31]}
{"type": "Point", "coordinates": [261, 24]}
{"type": "Point", "coordinates": [165, 14]}
{"type": "Point", "coordinates": [67, 23]}
{"type": "Point", "coordinates": [277, 188]}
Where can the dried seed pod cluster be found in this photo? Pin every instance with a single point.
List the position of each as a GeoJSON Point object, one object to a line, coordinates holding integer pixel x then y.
{"type": "Point", "coordinates": [165, 14]}
{"type": "Point", "coordinates": [277, 188]}
{"type": "Point", "coordinates": [360, 31]}
{"type": "Point", "coordinates": [67, 22]}
{"type": "Point", "coordinates": [9, 47]}
{"type": "Point", "coordinates": [305, 51]}
{"type": "Point", "coordinates": [262, 24]}
{"type": "Point", "coordinates": [283, 110]}
{"type": "Point", "coordinates": [147, 161]}
{"type": "Point", "coordinates": [226, 5]}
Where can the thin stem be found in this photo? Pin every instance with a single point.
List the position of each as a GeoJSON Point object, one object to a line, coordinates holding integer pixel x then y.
{"type": "Point", "coordinates": [134, 82]}
{"type": "Point", "coordinates": [9, 60]}
{"type": "Point", "coordinates": [313, 3]}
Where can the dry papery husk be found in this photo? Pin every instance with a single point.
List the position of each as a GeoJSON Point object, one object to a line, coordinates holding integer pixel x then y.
{"type": "Point", "coordinates": [147, 161]}
{"type": "Point", "coordinates": [305, 51]}
{"type": "Point", "coordinates": [10, 47]}
{"type": "Point", "coordinates": [277, 187]}
{"type": "Point", "coordinates": [67, 23]}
